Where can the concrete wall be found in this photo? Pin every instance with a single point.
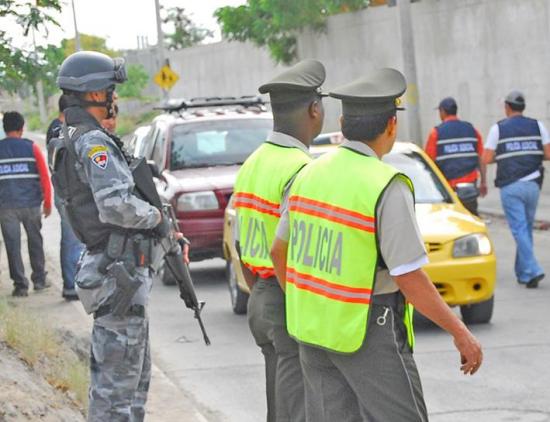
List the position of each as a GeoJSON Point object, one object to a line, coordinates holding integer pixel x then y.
{"type": "Point", "coordinates": [475, 50]}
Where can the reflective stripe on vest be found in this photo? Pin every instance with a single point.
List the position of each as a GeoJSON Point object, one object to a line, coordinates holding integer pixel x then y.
{"type": "Point", "coordinates": [457, 153]}
{"type": "Point", "coordinates": [257, 196]}
{"type": "Point", "coordinates": [519, 149]}
{"type": "Point", "coordinates": [333, 250]}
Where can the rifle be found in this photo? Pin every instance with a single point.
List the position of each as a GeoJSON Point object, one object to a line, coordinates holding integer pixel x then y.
{"type": "Point", "coordinates": [172, 247]}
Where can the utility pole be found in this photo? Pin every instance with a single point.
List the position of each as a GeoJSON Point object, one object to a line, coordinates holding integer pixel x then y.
{"type": "Point", "coordinates": [160, 45]}
{"type": "Point", "coordinates": [409, 63]}
{"type": "Point", "coordinates": [76, 34]}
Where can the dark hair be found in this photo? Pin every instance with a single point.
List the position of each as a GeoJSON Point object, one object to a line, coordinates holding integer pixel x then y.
{"type": "Point", "coordinates": [366, 127]}
{"type": "Point", "coordinates": [63, 103]}
{"type": "Point", "coordinates": [451, 111]}
{"type": "Point", "coordinates": [516, 107]}
{"type": "Point", "coordinates": [289, 107]}
{"type": "Point", "coordinates": [13, 121]}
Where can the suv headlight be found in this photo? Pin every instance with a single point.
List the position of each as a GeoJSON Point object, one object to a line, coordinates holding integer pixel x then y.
{"type": "Point", "coordinates": [197, 201]}
{"type": "Point", "coordinates": [472, 245]}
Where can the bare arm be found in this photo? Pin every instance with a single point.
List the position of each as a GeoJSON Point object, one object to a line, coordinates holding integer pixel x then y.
{"type": "Point", "coordinates": [278, 257]}
{"type": "Point", "coordinates": [546, 151]}
{"type": "Point", "coordinates": [483, 174]}
{"type": "Point", "coordinates": [488, 156]}
{"type": "Point", "coordinates": [419, 290]}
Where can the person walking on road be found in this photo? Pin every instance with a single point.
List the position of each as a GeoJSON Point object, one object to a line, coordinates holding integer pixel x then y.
{"type": "Point", "coordinates": [518, 145]}
{"type": "Point", "coordinates": [349, 252]}
{"type": "Point", "coordinates": [456, 147]}
{"type": "Point", "coordinates": [261, 182]}
{"type": "Point", "coordinates": [24, 188]}
{"type": "Point", "coordinates": [92, 177]}
{"type": "Point", "coordinates": [70, 248]}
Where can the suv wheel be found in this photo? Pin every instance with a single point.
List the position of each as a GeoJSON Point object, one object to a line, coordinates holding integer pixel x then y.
{"type": "Point", "coordinates": [239, 299]}
{"type": "Point", "coordinates": [478, 313]}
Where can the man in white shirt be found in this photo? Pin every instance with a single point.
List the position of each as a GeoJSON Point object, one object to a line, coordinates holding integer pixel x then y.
{"type": "Point", "coordinates": [518, 145]}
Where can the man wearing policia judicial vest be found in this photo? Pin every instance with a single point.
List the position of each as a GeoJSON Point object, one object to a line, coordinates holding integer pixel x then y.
{"type": "Point", "coordinates": [456, 147]}
{"type": "Point", "coordinates": [518, 145]}
{"type": "Point", "coordinates": [355, 253]}
{"type": "Point", "coordinates": [261, 182]}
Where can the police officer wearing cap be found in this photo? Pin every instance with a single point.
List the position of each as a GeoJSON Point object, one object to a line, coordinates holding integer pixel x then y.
{"type": "Point", "coordinates": [261, 183]}
{"type": "Point", "coordinates": [350, 251]}
{"type": "Point", "coordinates": [518, 145]}
{"type": "Point", "coordinates": [456, 147]}
{"type": "Point", "coordinates": [93, 181]}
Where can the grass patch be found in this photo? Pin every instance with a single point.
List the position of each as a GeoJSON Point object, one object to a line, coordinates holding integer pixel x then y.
{"type": "Point", "coordinates": [42, 349]}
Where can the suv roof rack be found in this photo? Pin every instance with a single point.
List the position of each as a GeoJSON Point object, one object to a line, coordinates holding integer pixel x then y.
{"type": "Point", "coordinates": [176, 105]}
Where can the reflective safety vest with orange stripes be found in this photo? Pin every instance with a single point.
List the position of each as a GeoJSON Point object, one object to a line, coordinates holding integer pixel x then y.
{"type": "Point", "coordinates": [258, 192]}
{"type": "Point", "coordinates": [333, 249]}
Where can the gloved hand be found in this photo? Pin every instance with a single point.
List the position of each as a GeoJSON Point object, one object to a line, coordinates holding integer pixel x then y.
{"type": "Point", "coordinates": [163, 228]}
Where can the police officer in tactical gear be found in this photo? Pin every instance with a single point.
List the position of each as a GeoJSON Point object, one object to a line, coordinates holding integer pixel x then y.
{"type": "Point", "coordinates": [349, 251]}
{"type": "Point", "coordinates": [93, 180]}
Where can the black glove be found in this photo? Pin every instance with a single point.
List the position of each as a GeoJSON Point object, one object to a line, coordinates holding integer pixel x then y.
{"type": "Point", "coordinates": [163, 228]}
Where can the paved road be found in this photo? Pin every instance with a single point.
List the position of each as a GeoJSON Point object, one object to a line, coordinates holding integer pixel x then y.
{"type": "Point", "coordinates": [226, 379]}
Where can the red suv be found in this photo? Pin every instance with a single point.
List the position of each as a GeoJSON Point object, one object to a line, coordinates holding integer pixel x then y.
{"type": "Point", "coordinates": [199, 146]}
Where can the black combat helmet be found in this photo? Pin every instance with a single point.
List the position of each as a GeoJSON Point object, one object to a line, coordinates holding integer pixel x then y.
{"type": "Point", "coordinates": [87, 71]}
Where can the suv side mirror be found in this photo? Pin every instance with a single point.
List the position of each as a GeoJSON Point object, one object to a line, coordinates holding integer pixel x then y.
{"type": "Point", "coordinates": [466, 191]}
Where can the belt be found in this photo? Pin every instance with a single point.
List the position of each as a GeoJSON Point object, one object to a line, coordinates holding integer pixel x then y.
{"type": "Point", "coordinates": [134, 310]}
{"type": "Point", "coordinates": [393, 300]}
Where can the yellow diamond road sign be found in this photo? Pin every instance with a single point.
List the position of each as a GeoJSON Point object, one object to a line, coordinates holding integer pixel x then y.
{"type": "Point", "coordinates": [166, 78]}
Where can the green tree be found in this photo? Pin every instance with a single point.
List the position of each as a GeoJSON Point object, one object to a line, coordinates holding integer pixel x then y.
{"type": "Point", "coordinates": [19, 67]}
{"type": "Point", "coordinates": [137, 80]}
{"type": "Point", "coordinates": [274, 23]}
{"type": "Point", "coordinates": [87, 42]}
{"type": "Point", "coordinates": [185, 32]}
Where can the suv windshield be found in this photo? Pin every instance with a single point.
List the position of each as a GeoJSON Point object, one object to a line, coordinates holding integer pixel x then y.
{"type": "Point", "coordinates": [427, 186]}
{"type": "Point", "coordinates": [216, 143]}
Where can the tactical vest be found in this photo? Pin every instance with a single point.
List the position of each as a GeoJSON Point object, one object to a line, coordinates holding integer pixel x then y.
{"type": "Point", "coordinates": [76, 195]}
{"type": "Point", "coordinates": [257, 197]}
{"type": "Point", "coordinates": [519, 150]}
{"type": "Point", "coordinates": [19, 178]}
{"type": "Point", "coordinates": [457, 153]}
{"type": "Point", "coordinates": [333, 252]}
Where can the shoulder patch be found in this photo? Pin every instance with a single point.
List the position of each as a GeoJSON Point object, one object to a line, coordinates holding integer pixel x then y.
{"type": "Point", "coordinates": [99, 156]}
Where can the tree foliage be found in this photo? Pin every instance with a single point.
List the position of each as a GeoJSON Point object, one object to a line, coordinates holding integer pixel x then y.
{"type": "Point", "coordinates": [184, 31]}
{"type": "Point", "coordinates": [137, 80]}
{"type": "Point", "coordinates": [274, 23]}
{"type": "Point", "coordinates": [87, 42]}
{"type": "Point", "coordinates": [18, 66]}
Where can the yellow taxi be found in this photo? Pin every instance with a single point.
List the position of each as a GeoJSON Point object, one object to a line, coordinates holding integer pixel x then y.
{"type": "Point", "coordinates": [462, 260]}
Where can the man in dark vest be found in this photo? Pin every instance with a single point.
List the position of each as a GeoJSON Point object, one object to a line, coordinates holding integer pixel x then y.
{"type": "Point", "coordinates": [93, 179]}
{"type": "Point", "coordinates": [70, 247]}
{"type": "Point", "coordinates": [24, 187]}
{"type": "Point", "coordinates": [518, 145]}
{"type": "Point", "coordinates": [456, 147]}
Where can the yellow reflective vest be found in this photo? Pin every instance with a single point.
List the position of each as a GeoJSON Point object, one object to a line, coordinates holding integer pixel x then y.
{"type": "Point", "coordinates": [333, 249]}
{"type": "Point", "coordinates": [257, 197]}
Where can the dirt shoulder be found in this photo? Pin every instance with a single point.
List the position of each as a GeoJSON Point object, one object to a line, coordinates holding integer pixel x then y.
{"type": "Point", "coordinates": [166, 401]}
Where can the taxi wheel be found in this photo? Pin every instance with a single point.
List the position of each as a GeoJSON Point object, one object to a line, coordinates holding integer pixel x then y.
{"type": "Point", "coordinates": [239, 299]}
{"type": "Point", "coordinates": [167, 277]}
{"type": "Point", "coordinates": [478, 313]}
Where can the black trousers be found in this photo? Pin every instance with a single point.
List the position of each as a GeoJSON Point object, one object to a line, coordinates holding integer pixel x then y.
{"type": "Point", "coordinates": [11, 220]}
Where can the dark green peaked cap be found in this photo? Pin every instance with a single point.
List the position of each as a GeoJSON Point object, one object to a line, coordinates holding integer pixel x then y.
{"type": "Point", "coordinates": [302, 79]}
{"type": "Point", "coordinates": [377, 92]}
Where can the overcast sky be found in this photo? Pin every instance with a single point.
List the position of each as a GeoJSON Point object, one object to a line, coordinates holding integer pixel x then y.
{"type": "Point", "coordinates": [122, 21]}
